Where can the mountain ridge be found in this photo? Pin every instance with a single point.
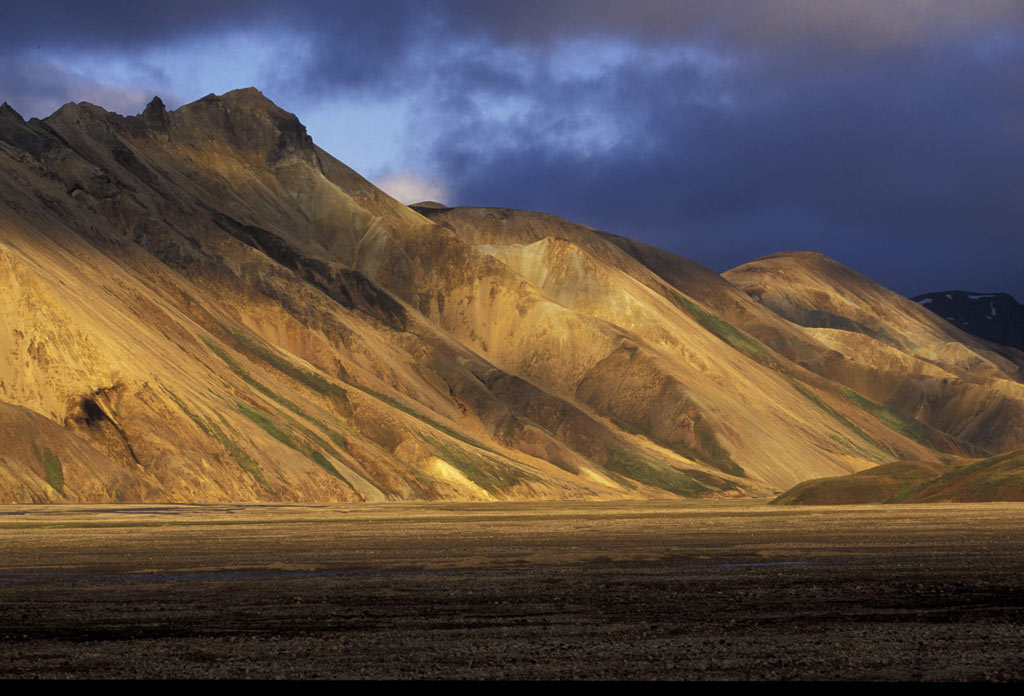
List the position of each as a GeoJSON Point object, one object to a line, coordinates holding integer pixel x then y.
{"type": "Point", "coordinates": [220, 310]}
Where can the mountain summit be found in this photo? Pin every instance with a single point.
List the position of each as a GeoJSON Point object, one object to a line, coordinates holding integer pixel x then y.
{"type": "Point", "coordinates": [203, 305]}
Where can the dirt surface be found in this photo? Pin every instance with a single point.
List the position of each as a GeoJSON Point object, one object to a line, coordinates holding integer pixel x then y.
{"type": "Point", "coordinates": [513, 591]}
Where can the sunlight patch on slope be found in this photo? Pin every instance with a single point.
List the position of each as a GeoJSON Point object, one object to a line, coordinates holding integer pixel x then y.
{"type": "Point", "coordinates": [442, 470]}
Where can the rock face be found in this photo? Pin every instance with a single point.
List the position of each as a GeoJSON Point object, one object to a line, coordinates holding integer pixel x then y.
{"type": "Point", "coordinates": [202, 305]}
{"type": "Point", "coordinates": [996, 317]}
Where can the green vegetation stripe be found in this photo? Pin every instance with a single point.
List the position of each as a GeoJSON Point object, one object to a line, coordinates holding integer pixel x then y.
{"type": "Point", "coordinates": [840, 418]}
{"type": "Point", "coordinates": [241, 457]}
{"type": "Point", "coordinates": [263, 389]}
{"type": "Point", "coordinates": [311, 380]}
{"type": "Point", "coordinates": [252, 381]}
{"type": "Point", "coordinates": [276, 431]}
{"type": "Point", "coordinates": [320, 385]}
{"type": "Point", "coordinates": [490, 475]}
{"type": "Point", "coordinates": [986, 478]}
{"type": "Point", "coordinates": [893, 419]}
{"type": "Point", "coordinates": [643, 470]}
{"type": "Point", "coordinates": [727, 332]}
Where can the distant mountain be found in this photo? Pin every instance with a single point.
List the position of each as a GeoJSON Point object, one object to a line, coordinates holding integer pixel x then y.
{"type": "Point", "coordinates": [202, 305]}
{"type": "Point", "coordinates": [996, 317]}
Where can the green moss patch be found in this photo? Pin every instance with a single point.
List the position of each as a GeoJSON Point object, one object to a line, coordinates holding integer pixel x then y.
{"type": "Point", "coordinates": [52, 468]}
{"type": "Point", "coordinates": [317, 383]}
{"type": "Point", "coordinates": [270, 426]}
{"type": "Point", "coordinates": [998, 478]}
{"type": "Point", "coordinates": [273, 396]}
{"type": "Point", "coordinates": [237, 368]}
{"type": "Point", "coordinates": [895, 482]}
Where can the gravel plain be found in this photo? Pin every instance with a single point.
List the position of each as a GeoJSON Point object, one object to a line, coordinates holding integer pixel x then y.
{"type": "Point", "coordinates": [689, 590]}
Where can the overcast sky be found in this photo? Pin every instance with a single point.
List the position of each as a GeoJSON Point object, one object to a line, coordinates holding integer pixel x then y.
{"type": "Point", "coordinates": [888, 134]}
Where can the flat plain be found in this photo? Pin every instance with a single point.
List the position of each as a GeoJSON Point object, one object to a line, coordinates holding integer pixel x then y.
{"type": "Point", "coordinates": [653, 590]}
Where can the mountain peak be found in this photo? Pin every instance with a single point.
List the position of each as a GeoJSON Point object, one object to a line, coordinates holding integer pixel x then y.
{"type": "Point", "coordinates": [15, 131]}
{"type": "Point", "coordinates": [427, 206]}
{"type": "Point", "coordinates": [7, 112]}
{"type": "Point", "coordinates": [803, 254]}
{"type": "Point", "coordinates": [155, 104]}
{"type": "Point", "coordinates": [250, 93]}
{"type": "Point", "coordinates": [155, 115]}
{"type": "Point", "coordinates": [250, 121]}
{"type": "Point", "coordinates": [248, 99]}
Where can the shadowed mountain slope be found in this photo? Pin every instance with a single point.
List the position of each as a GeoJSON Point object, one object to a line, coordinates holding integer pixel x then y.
{"type": "Point", "coordinates": [202, 305]}
{"type": "Point", "coordinates": [999, 478]}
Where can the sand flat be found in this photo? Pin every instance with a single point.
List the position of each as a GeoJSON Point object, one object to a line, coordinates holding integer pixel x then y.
{"type": "Point", "coordinates": [494, 590]}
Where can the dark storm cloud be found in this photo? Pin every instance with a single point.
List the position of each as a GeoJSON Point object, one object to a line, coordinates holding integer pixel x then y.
{"type": "Point", "coordinates": [120, 24]}
{"type": "Point", "coordinates": [888, 166]}
{"type": "Point", "coordinates": [886, 134]}
{"type": "Point", "coordinates": [893, 147]}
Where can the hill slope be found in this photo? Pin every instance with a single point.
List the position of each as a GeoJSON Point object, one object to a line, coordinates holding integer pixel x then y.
{"type": "Point", "coordinates": [999, 478]}
{"type": "Point", "coordinates": [891, 355]}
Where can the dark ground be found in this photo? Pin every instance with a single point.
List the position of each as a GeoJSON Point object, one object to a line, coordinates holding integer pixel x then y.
{"type": "Point", "coordinates": [513, 591]}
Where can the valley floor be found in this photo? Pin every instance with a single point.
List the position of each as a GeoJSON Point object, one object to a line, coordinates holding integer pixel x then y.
{"type": "Point", "coordinates": [688, 590]}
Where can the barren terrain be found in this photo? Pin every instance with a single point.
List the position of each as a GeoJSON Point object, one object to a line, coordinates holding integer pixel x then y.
{"type": "Point", "coordinates": [665, 590]}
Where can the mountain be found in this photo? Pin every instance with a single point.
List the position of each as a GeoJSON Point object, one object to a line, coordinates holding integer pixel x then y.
{"type": "Point", "coordinates": [202, 305]}
{"type": "Point", "coordinates": [996, 317]}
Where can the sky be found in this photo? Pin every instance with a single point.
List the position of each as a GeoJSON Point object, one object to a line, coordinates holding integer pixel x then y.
{"type": "Point", "coordinates": [887, 134]}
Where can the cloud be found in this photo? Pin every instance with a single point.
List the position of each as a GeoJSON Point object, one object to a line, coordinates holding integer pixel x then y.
{"type": "Point", "coordinates": [898, 160]}
{"type": "Point", "coordinates": [40, 87]}
{"type": "Point", "coordinates": [886, 133]}
{"type": "Point", "coordinates": [411, 187]}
